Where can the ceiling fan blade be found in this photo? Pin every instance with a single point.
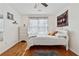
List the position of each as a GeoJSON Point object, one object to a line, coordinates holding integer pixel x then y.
{"type": "Point", "coordinates": [44, 4]}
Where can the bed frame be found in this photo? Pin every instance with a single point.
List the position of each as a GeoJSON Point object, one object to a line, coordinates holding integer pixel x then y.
{"type": "Point", "coordinates": [48, 41]}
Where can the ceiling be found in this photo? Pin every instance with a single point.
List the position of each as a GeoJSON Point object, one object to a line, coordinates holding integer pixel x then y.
{"type": "Point", "coordinates": [28, 8]}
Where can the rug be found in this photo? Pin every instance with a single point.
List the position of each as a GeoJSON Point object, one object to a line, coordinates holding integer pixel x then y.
{"type": "Point", "coordinates": [45, 53]}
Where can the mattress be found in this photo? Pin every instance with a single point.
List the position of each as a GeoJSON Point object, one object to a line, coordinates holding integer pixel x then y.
{"type": "Point", "coordinates": [47, 40]}
{"type": "Point", "coordinates": [46, 37]}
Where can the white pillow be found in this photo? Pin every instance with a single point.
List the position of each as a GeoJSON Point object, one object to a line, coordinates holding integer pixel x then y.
{"type": "Point", "coordinates": [64, 32]}
{"type": "Point", "coordinates": [61, 35]}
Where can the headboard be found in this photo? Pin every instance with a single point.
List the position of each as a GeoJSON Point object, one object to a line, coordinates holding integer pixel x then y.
{"type": "Point", "coordinates": [63, 33]}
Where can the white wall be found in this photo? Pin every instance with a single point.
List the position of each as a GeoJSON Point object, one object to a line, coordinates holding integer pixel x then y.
{"type": "Point", "coordinates": [10, 36]}
{"type": "Point", "coordinates": [73, 18]}
{"type": "Point", "coordinates": [51, 23]}
{"type": "Point", "coordinates": [23, 29]}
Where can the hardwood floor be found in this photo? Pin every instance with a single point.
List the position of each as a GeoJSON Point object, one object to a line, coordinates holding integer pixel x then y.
{"type": "Point", "coordinates": [19, 50]}
{"type": "Point", "coordinates": [16, 50]}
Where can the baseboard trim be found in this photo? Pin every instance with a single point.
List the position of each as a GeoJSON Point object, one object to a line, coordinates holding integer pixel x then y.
{"type": "Point", "coordinates": [73, 52]}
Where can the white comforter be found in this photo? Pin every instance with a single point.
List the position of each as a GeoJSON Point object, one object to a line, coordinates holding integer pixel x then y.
{"type": "Point", "coordinates": [46, 40]}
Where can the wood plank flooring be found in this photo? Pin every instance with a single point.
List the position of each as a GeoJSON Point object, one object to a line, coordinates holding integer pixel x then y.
{"type": "Point", "coordinates": [19, 50]}
{"type": "Point", "coordinates": [16, 50]}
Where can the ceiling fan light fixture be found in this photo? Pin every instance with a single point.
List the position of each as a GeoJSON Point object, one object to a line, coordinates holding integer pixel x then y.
{"type": "Point", "coordinates": [44, 4]}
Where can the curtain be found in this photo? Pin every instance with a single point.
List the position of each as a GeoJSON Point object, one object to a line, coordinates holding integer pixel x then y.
{"type": "Point", "coordinates": [38, 26]}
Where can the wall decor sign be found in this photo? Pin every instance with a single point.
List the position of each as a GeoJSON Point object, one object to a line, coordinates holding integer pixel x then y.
{"type": "Point", "coordinates": [10, 16]}
{"type": "Point", "coordinates": [15, 22]}
{"type": "Point", "coordinates": [62, 20]}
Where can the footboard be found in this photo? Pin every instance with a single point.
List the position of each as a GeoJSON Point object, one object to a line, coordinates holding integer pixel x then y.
{"type": "Point", "coordinates": [47, 41]}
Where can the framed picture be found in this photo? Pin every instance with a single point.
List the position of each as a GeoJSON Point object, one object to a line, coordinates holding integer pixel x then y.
{"type": "Point", "coordinates": [10, 16]}
{"type": "Point", "coordinates": [62, 20]}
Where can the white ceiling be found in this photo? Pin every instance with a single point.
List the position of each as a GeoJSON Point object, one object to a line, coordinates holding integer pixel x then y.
{"type": "Point", "coordinates": [28, 8]}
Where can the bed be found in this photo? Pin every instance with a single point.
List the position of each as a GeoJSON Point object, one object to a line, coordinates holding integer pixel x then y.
{"type": "Point", "coordinates": [61, 38]}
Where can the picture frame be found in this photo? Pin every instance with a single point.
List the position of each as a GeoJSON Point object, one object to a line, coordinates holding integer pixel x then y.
{"type": "Point", "coordinates": [10, 16]}
{"type": "Point", "coordinates": [62, 20]}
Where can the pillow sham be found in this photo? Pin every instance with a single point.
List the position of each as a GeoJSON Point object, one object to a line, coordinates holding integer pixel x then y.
{"type": "Point", "coordinates": [61, 35]}
{"type": "Point", "coordinates": [53, 33]}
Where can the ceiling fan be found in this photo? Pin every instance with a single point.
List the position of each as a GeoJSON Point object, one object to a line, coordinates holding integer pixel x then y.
{"type": "Point", "coordinates": [44, 4]}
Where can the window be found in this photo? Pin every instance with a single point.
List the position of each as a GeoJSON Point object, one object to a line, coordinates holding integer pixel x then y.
{"type": "Point", "coordinates": [38, 26]}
